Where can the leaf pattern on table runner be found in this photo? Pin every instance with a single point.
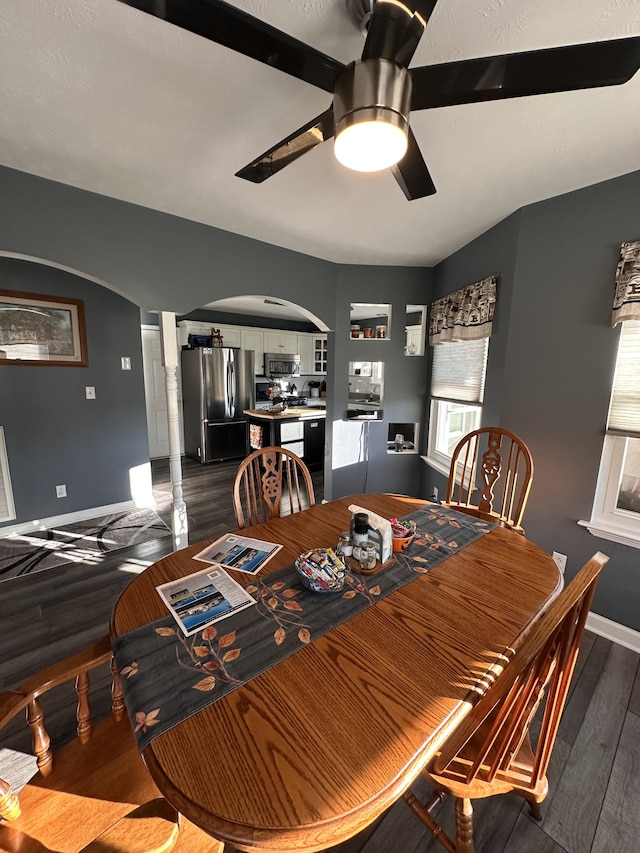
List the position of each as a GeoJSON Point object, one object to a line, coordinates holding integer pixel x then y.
{"type": "Point", "coordinates": [168, 676]}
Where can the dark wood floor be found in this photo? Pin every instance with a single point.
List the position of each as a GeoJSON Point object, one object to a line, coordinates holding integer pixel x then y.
{"type": "Point", "coordinates": [594, 800]}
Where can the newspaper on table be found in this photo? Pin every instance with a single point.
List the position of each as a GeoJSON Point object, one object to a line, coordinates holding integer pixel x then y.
{"type": "Point", "coordinates": [202, 598]}
{"type": "Point", "coordinates": [239, 553]}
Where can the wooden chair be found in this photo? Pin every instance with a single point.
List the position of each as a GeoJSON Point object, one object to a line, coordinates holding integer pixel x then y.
{"type": "Point", "coordinates": [97, 796]}
{"type": "Point", "coordinates": [498, 747]}
{"type": "Point", "coordinates": [506, 471]}
{"type": "Point", "coordinates": [269, 483]}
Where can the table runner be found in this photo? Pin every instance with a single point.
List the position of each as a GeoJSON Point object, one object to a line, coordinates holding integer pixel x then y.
{"type": "Point", "coordinates": [167, 677]}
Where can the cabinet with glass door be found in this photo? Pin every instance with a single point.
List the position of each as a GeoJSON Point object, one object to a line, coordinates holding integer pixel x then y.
{"type": "Point", "coordinates": [319, 354]}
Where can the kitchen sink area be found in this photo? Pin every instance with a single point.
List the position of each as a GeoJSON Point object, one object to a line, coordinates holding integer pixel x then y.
{"type": "Point", "coordinates": [365, 390]}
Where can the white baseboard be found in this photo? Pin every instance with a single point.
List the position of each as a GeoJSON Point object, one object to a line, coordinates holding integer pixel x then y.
{"type": "Point", "coordinates": [69, 518]}
{"type": "Point", "coordinates": [613, 631]}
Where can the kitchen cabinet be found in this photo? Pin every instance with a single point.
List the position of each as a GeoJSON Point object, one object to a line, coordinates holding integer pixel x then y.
{"type": "Point", "coordinates": [230, 334]}
{"type": "Point", "coordinates": [280, 342]}
{"type": "Point", "coordinates": [291, 436]}
{"type": "Point", "coordinates": [319, 343]}
{"type": "Point", "coordinates": [253, 339]}
{"type": "Point", "coordinates": [189, 327]}
{"type": "Point", "coordinates": [305, 351]}
{"type": "Point", "coordinates": [312, 348]}
{"type": "Point", "coordinates": [314, 443]}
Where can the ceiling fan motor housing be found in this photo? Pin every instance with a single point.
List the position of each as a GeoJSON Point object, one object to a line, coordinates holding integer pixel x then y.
{"type": "Point", "coordinates": [372, 90]}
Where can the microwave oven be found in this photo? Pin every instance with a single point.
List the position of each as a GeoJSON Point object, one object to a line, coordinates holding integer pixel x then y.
{"type": "Point", "coordinates": [281, 364]}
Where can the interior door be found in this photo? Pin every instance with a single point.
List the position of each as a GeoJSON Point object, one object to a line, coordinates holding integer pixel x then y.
{"type": "Point", "coordinates": [155, 395]}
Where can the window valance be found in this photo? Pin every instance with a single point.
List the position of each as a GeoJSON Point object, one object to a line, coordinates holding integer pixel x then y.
{"type": "Point", "coordinates": [465, 315]}
{"type": "Point", "coordinates": [626, 301]}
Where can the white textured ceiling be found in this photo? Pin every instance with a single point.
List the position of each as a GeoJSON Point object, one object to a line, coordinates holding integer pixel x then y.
{"type": "Point", "coordinates": [100, 96]}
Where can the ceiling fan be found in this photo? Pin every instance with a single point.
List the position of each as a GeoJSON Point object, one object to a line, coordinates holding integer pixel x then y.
{"type": "Point", "coordinates": [374, 96]}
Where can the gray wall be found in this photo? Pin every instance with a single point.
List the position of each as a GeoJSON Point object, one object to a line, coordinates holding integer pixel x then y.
{"type": "Point", "coordinates": [55, 435]}
{"type": "Point", "coordinates": [552, 380]}
{"type": "Point", "coordinates": [158, 261]}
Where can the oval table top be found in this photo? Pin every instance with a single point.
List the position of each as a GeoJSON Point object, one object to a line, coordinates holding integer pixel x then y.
{"type": "Point", "coordinates": [311, 751]}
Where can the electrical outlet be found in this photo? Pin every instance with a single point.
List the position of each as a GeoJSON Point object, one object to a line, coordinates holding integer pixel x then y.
{"type": "Point", "coordinates": [90, 391]}
{"type": "Point", "coordinates": [61, 491]}
{"type": "Point", "coordinates": [560, 560]}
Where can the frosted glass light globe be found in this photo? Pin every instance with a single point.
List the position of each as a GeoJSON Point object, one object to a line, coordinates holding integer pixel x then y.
{"type": "Point", "coordinates": [370, 146]}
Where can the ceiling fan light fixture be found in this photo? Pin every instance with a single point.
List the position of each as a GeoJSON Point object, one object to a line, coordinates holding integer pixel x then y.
{"type": "Point", "coordinates": [371, 105]}
{"type": "Point", "coordinates": [369, 145]}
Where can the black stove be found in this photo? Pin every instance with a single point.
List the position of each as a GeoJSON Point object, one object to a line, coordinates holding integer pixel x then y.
{"type": "Point", "coordinates": [290, 401]}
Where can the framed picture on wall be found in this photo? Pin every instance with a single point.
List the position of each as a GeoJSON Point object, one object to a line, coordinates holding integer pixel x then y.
{"type": "Point", "coordinates": [43, 330]}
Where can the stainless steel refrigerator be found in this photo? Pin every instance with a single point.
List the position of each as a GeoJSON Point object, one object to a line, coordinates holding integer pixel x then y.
{"type": "Point", "coordinates": [217, 384]}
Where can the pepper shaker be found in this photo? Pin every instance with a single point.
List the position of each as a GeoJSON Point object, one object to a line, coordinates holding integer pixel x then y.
{"type": "Point", "coordinates": [367, 556]}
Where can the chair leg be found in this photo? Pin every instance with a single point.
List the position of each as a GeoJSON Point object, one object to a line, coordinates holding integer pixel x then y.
{"type": "Point", "coordinates": [464, 825]}
{"type": "Point", "coordinates": [534, 808]}
{"type": "Point", "coordinates": [434, 828]}
{"type": "Point", "coordinates": [9, 805]}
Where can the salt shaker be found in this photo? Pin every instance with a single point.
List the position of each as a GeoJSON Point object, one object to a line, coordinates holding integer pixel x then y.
{"type": "Point", "coordinates": [344, 545]}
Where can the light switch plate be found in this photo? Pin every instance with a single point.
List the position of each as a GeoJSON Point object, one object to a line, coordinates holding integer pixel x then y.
{"type": "Point", "coordinates": [90, 392]}
{"type": "Point", "coordinates": [125, 361]}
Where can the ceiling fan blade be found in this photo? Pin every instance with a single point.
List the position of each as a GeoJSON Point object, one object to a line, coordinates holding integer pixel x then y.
{"type": "Point", "coordinates": [396, 28]}
{"type": "Point", "coordinates": [534, 72]}
{"type": "Point", "coordinates": [412, 173]}
{"type": "Point", "coordinates": [302, 140]}
{"type": "Point", "coordinates": [235, 29]}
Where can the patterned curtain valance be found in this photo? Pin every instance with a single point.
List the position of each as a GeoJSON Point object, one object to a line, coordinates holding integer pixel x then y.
{"type": "Point", "coordinates": [626, 302]}
{"type": "Point", "coordinates": [465, 315]}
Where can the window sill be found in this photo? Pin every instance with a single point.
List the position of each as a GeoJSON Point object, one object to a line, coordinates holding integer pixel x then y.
{"type": "Point", "coordinates": [604, 530]}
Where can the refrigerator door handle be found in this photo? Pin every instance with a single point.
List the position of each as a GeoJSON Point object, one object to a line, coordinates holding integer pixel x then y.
{"type": "Point", "coordinates": [231, 403]}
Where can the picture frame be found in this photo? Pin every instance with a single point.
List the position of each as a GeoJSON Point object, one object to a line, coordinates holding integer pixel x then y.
{"type": "Point", "coordinates": [38, 329]}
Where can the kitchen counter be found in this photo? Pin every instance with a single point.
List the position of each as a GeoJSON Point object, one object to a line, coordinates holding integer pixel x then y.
{"type": "Point", "coordinates": [299, 429]}
{"type": "Point", "coordinates": [292, 413]}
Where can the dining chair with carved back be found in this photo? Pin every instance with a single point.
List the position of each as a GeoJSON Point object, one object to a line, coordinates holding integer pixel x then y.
{"type": "Point", "coordinates": [95, 794]}
{"type": "Point", "coordinates": [271, 482]}
{"type": "Point", "coordinates": [505, 742]}
{"type": "Point", "coordinates": [504, 465]}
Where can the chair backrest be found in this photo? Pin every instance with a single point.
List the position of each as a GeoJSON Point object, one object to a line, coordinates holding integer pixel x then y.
{"type": "Point", "coordinates": [27, 696]}
{"type": "Point", "coordinates": [505, 468]}
{"type": "Point", "coordinates": [96, 795]}
{"type": "Point", "coordinates": [539, 671]}
{"type": "Point", "coordinates": [270, 482]}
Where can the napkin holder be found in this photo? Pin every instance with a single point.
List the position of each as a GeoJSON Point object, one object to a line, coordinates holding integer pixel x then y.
{"type": "Point", "coordinates": [379, 533]}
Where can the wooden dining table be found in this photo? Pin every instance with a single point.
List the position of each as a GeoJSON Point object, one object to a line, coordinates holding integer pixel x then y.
{"type": "Point", "coordinates": [311, 751]}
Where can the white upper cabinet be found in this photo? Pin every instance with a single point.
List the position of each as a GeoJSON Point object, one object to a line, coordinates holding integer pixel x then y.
{"type": "Point", "coordinates": [280, 342]}
{"type": "Point", "coordinates": [231, 335]}
{"type": "Point", "coordinates": [311, 347]}
{"type": "Point", "coordinates": [253, 339]}
{"type": "Point", "coordinates": [305, 351]}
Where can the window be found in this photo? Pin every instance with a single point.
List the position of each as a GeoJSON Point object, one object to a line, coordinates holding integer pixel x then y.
{"type": "Point", "coordinates": [457, 390]}
{"type": "Point", "coordinates": [616, 507]}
